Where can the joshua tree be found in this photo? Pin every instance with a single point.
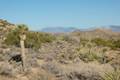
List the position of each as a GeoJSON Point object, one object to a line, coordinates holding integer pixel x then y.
{"type": "Point", "coordinates": [22, 39]}
{"type": "Point", "coordinates": [22, 31]}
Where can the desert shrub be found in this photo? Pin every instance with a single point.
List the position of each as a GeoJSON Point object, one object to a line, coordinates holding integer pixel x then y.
{"type": "Point", "coordinates": [117, 44]}
{"type": "Point", "coordinates": [102, 42]}
{"type": "Point", "coordinates": [93, 56]}
{"type": "Point", "coordinates": [12, 38]}
{"type": "Point", "coordinates": [38, 74]}
{"type": "Point", "coordinates": [6, 69]}
{"type": "Point", "coordinates": [34, 39]}
{"type": "Point", "coordinates": [65, 38]}
{"type": "Point", "coordinates": [115, 75]}
{"type": "Point", "coordinates": [80, 76]}
{"type": "Point", "coordinates": [55, 68]}
{"type": "Point", "coordinates": [108, 43]}
{"type": "Point", "coordinates": [83, 41]}
{"type": "Point", "coordinates": [113, 44]}
{"type": "Point", "coordinates": [68, 39]}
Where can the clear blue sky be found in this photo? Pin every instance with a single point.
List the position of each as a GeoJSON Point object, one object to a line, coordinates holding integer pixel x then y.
{"type": "Point", "coordinates": [66, 13]}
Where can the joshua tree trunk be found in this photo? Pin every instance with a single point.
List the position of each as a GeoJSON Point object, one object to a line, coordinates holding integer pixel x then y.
{"type": "Point", "coordinates": [22, 37]}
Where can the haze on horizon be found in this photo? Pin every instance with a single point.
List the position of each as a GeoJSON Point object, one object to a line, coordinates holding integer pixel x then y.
{"type": "Point", "coordinates": [40, 14]}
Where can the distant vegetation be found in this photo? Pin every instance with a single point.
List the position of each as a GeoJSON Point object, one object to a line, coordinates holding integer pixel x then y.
{"type": "Point", "coordinates": [34, 39]}
{"type": "Point", "coordinates": [113, 44]}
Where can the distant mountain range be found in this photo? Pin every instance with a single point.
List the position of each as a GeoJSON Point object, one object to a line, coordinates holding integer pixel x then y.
{"type": "Point", "coordinates": [115, 28]}
{"type": "Point", "coordinates": [5, 24]}
{"type": "Point", "coordinates": [71, 29]}
{"type": "Point", "coordinates": [59, 29]}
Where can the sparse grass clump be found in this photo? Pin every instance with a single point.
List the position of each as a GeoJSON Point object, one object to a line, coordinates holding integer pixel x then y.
{"type": "Point", "coordinates": [87, 57]}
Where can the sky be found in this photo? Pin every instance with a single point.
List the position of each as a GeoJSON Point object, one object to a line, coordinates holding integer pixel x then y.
{"type": "Point", "coordinates": [38, 14]}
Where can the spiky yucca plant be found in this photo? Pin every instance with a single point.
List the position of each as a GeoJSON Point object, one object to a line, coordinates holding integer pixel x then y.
{"type": "Point", "coordinates": [115, 75]}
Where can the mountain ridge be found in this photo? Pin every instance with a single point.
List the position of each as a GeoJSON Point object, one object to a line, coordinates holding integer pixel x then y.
{"type": "Point", "coordinates": [72, 29]}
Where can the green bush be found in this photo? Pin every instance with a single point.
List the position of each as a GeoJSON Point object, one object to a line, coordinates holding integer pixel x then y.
{"type": "Point", "coordinates": [66, 38]}
{"type": "Point", "coordinates": [12, 38]}
{"type": "Point", "coordinates": [34, 39]}
{"type": "Point", "coordinates": [117, 44]}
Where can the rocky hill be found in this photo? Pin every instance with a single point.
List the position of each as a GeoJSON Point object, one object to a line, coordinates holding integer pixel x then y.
{"type": "Point", "coordinates": [5, 27]}
{"type": "Point", "coordinates": [5, 24]}
{"type": "Point", "coordinates": [97, 33]}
